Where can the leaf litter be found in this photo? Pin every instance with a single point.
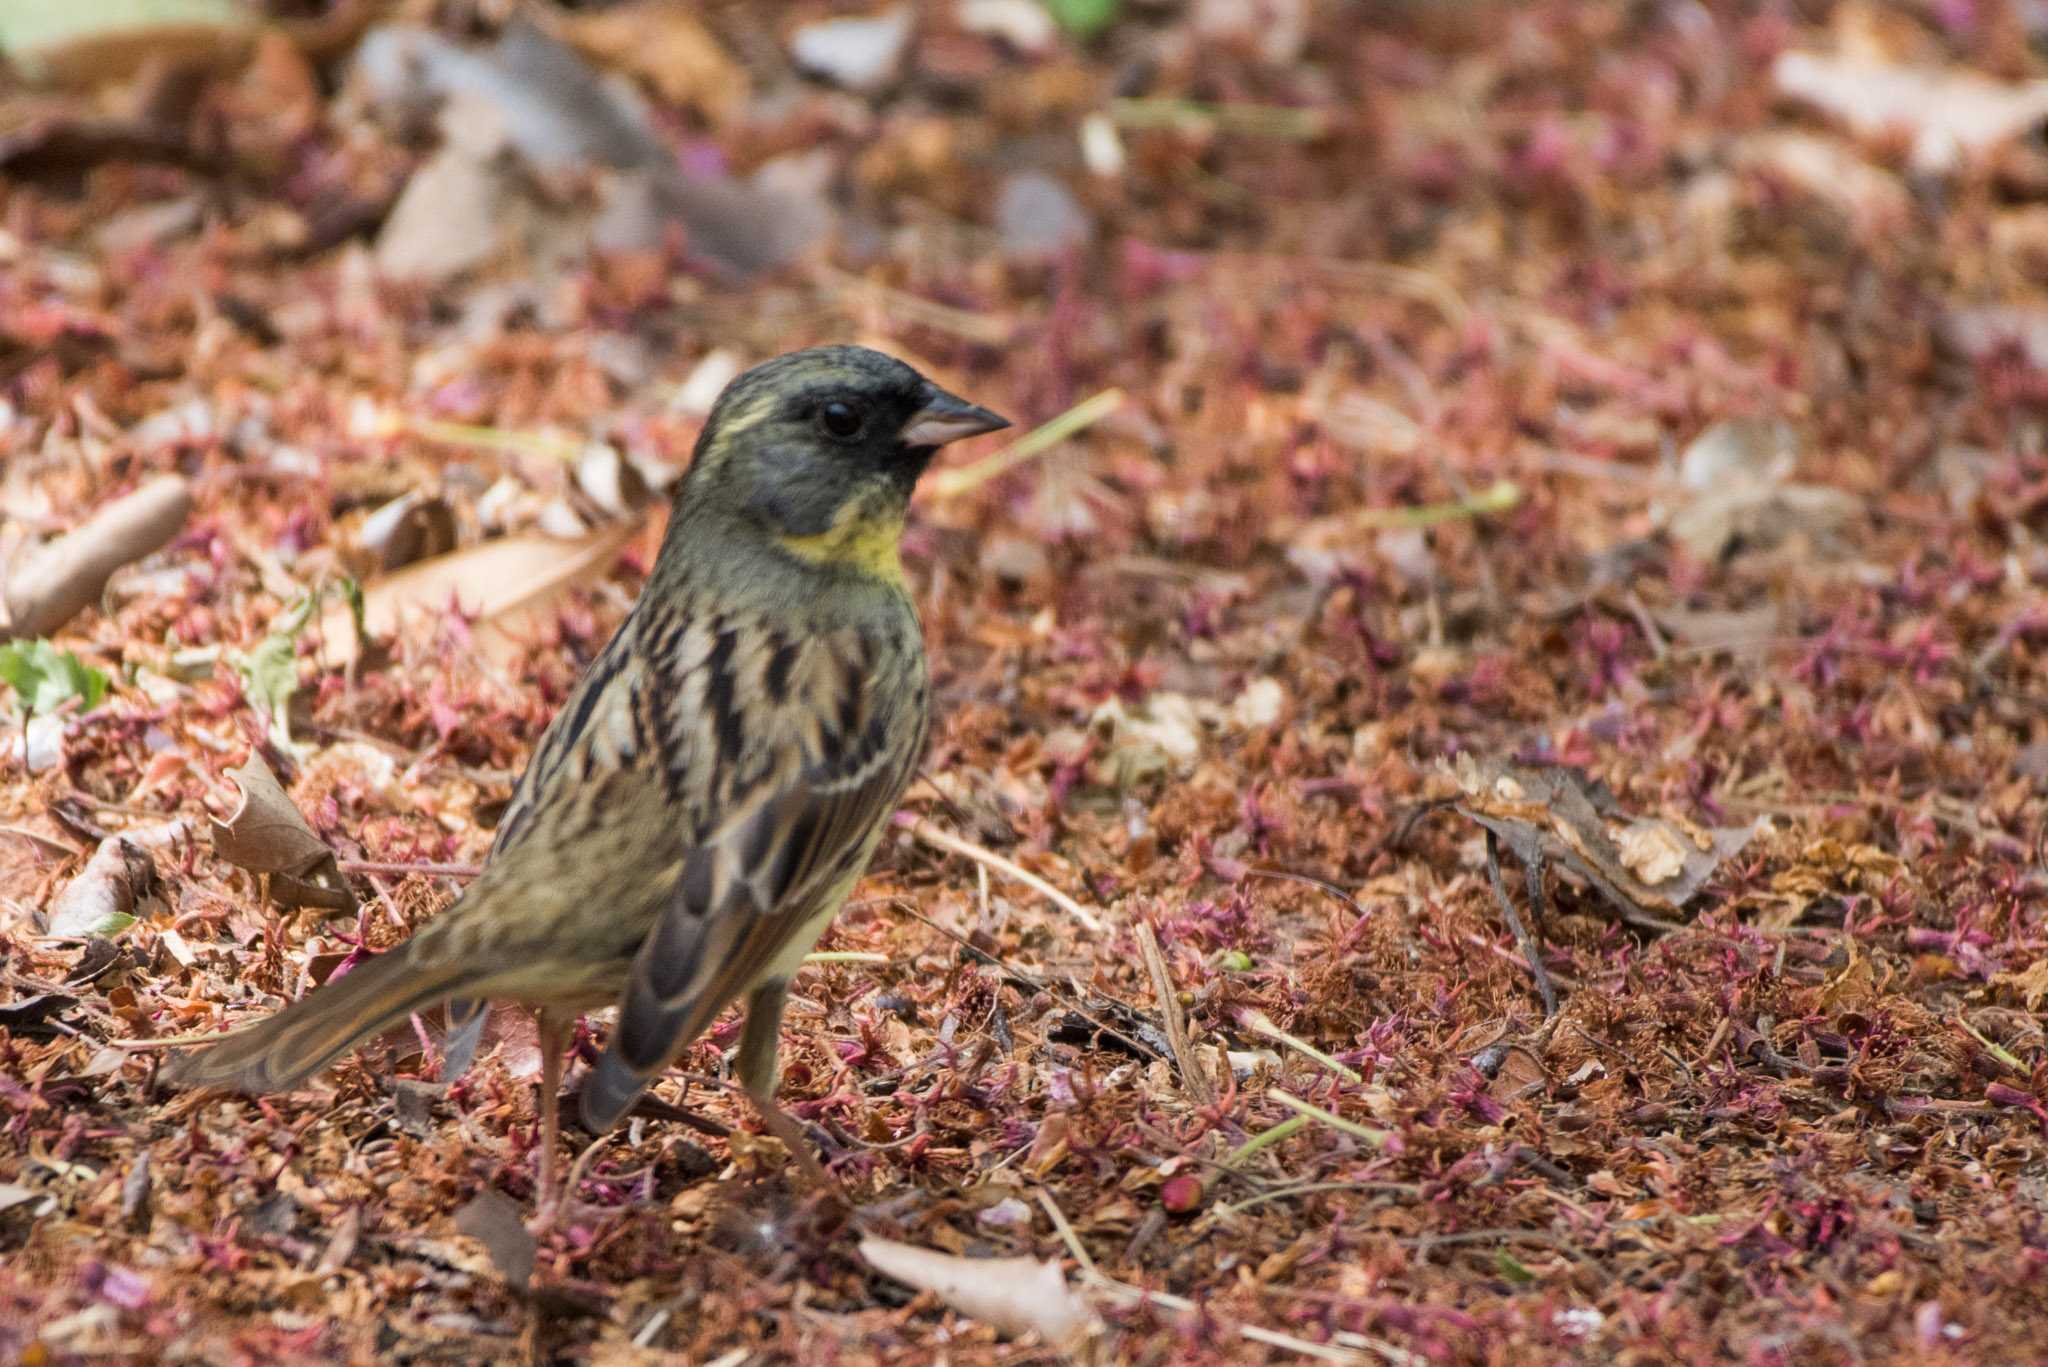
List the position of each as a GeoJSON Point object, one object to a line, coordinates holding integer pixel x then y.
{"type": "Point", "coordinates": [1637, 405]}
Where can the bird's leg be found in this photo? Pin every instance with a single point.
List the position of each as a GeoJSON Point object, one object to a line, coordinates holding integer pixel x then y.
{"type": "Point", "coordinates": [760, 1041]}
{"type": "Point", "coordinates": [554, 1029]}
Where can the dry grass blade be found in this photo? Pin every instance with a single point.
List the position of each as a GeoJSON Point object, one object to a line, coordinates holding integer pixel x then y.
{"type": "Point", "coordinates": [1192, 1075]}
{"type": "Point", "coordinates": [953, 844]}
{"type": "Point", "coordinates": [1035, 443]}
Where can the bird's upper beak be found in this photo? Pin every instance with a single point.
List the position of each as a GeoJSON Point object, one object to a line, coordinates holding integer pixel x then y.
{"type": "Point", "coordinates": [947, 417]}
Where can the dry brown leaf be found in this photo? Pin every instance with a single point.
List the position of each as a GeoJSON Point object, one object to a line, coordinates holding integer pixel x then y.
{"type": "Point", "coordinates": [1643, 864]}
{"type": "Point", "coordinates": [58, 581]}
{"type": "Point", "coordinates": [266, 834]}
{"type": "Point", "coordinates": [662, 43]}
{"type": "Point", "coordinates": [1871, 199]}
{"type": "Point", "coordinates": [2030, 983]}
{"type": "Point", "coordinates": [1951, 114]}
{"type": "Point", "coordinates": [411, 527]}
{"type": "Point", "coordinates": [493, 1221]}
{"type": "Point", "coordinates": [1014, 1295]}
{"type": "Point", "coordinates": [101, 900]}
{"type": "Point", "coordinates": [506, 586]}
{"type": "Point", "coordinates": [1855, 986]}
{"type": "Point", "coordinates": [104, 44]}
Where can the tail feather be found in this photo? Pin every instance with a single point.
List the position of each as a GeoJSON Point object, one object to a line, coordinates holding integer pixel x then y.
{"type": "Point", "coordinates": [466, 1020]}
{"type": "Point", "coordinates": [291, 1046]}
{"type": "Point", "coordinates": [610, 1091]}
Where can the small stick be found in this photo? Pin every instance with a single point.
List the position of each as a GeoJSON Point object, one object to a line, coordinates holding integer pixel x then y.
{"type": "Point", "coordinates": [1191, 1075]}
{"type": "Point", "coordinates": [398, 870]}
{"type": "Point", "coordinates": [932, 835]}
{"type": "Point", "coordinates": [967, 478]}
{"type": "Point", "coordinates": [1530, 949]}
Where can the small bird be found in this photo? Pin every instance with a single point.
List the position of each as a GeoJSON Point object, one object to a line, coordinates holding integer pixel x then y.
{"type": "Point", "coordinates": [716, 782]}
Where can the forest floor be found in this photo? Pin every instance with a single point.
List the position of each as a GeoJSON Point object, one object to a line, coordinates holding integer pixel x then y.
{"type": "Point", "coordinates": [1439, 393]}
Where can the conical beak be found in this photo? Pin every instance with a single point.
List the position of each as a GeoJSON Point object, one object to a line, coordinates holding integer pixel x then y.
{"type": "Point", "coordinates": [947, 417]}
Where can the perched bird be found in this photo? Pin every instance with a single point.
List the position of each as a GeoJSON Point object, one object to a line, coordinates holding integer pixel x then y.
{"type": "Point", "coordinates": [716, 782]}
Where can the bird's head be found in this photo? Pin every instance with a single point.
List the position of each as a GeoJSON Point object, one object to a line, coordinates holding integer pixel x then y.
{"type": "Point", "coordinates": [821, 449]}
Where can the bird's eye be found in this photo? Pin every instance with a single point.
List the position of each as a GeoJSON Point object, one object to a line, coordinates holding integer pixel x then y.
{"type": "Point", "coordinates": [840, 419]}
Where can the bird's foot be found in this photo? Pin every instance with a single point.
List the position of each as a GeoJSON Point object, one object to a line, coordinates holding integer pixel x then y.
{"type": "Point", "coordinates": [551, 1204]}
{"type": "Point", "coordinates": [784, 1127]}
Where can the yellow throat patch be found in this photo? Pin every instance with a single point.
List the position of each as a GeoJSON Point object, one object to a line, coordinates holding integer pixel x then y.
{"type": "Point", "coordinates": [859, 539]}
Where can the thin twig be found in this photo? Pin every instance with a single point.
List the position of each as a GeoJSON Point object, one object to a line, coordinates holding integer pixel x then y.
{"type": "Point", "coordinates": [1531, 950]}
{"type": "Point", "coordinates": [944, 840]}
{"type": "Point", "coordinates": [966, 479]}
{"type": "Point", "coordinates": [1200, 1089]}
{"type": "Point", "coordinates": [1024, 976]}
{"type": "Point", "coordinates": [1066, 1232]}
{"type": "Point", "coordinates": [400, 870]}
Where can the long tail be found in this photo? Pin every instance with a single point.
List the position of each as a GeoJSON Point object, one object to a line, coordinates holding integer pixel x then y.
{"type": "Point", "coordinates": [311, 1033]}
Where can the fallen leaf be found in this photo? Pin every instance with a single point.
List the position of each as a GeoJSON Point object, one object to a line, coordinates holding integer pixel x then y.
{"type": "Point", "coordinates": [536, 98]}
{"type": "Point", "coordinates": [1013, 1295]}
{"type": "Point", "coordinates": [44, 678]}
{"type": "Point", "coordinates": [266, 834]}
{"type": "Point", "coordinates": [1737, 472]}
{"type": "Point", "coordinates": [1553, 813]}
{"type": "Point", "coordinates": [662, 43]}
{"type": "Point", "coordinates": [507, 586]}
{"type": "Point", "coordinates": [1951, 114]}
{"type": "Point", "coordinates": [1651, 851]}
{"type": "Point", "coordinates": [2030, 983]}
{"type": "Point", "coordinates": [411, 527]}
{"type": "Point", "coordinates": [101, 900]}
{"type": "Point", "coordinates": [270, 672]}
{"type": "Point", "coordinates": [110, 40]}
{"type": "Point", "coordinates": [861, 53]}
{"type": "Point", "coordinates": [32, 1015]}
{"type": "Point", "coordinates": [1871, 199]}
{"type": "Point", "coordinates": [493, 1221]}
{"type": "Point", "coordinates": [58, 581]}
{"type": "Point", "coordinates": [12, 1195]}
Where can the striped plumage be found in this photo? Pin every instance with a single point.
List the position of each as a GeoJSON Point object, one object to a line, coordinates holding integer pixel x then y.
{"type": "Point", "coordinates": [719, 777]}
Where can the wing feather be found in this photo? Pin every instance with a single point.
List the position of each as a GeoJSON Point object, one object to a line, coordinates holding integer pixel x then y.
{"type": "Point", "coordinates": [764, 876]}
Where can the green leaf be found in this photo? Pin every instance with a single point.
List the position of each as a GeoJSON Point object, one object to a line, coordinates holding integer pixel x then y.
{"type": "Point", "coordinates": [270, 672]}
{"type": "Point", "coordinates": [1510, 1267]}
{"type": "Point", "coordinates": [1083, 18]}
{"type": "Point", "coordinates": [44, 678]}
{"type": "Point", "coordinates": [1237, 961]}
{"type": "Point", "coordinates": [89, 921]}
{"type": "Point", "coordinates": [352, 590]}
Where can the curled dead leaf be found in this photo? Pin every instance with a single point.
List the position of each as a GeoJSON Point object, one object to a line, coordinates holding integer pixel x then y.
{"type": "Point", "coordinates": [1645, 866]}
{"type": "Point", "coordinates": [494, 1222]}
{"type": "Point", "coordinates": [662, 43]}
{"type": "Point", "coordinates": [265, 834]}
{"type": "Point", "coordinates": [102, 899]}
{"type": "Point", "coordinates": [58, 581]}
{"type": "Point", "coordinates": [1014, 1295]}
{"type": "Point", "coordinates": [2030, 983]}
{"type": "Point", "coordinates": [410, 527]}
{"type": "Point", "coordinates": [1651, 851]}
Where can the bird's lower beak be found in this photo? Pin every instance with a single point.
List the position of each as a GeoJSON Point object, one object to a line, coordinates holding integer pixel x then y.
{"type": "Point", "coordinates": [946, 417]}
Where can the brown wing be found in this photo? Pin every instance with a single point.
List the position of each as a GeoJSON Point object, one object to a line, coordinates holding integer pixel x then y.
{"type": "Point", "coordinates": [769, 871]}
